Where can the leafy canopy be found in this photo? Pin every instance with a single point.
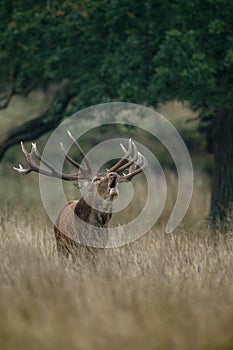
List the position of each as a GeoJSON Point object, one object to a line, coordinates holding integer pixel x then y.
{"type": "Point", "coordinates": [121, 50]}
{"type": "Point", "coordinates": [195, 59]}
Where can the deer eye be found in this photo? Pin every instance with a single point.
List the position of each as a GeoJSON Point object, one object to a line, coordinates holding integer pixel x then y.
{"type": "Point", "coordinates": [114, 176]}
{"type": "Point", "coordinates": [95, 179]}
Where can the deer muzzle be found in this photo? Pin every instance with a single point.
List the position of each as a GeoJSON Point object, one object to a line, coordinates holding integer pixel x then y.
{"type": "Point", "coordinates": [114, 192]}
{"type": "Point", "coordinates": [113, 184]}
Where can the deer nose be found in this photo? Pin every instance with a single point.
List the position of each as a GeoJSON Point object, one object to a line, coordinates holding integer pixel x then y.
{"type": "Point", "coordinates": [113, 177]}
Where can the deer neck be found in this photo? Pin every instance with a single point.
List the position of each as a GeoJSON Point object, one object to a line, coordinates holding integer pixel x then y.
{"type": "Point", "coordinates": [99, 215]}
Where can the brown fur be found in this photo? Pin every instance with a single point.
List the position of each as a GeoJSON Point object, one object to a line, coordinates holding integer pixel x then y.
{"type": "Point", "coordinates": [83, 211]}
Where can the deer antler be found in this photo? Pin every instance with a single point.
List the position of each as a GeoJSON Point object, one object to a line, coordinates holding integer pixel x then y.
{"type": "Point", "coordinates": [85, 158]}
{"type": "Point", "coordinates": [135, 169]}
{"type": "Point", "coordinates": [136, 162]}
{"type": "Point", "coordinates": [116, 166]}
{"type": "Point", "coordinates": [84, 173]}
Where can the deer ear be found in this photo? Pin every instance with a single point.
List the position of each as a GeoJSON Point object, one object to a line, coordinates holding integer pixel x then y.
{"type": "Point", "coordinates": [96, 179]}
{"type": "Point", "coordinates": [81, 183]}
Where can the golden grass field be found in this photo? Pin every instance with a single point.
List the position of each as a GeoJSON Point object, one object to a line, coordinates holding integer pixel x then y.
{"type": "Point", "coordinates": [164, 291]}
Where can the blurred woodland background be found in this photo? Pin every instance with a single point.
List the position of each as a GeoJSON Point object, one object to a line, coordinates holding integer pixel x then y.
{"type": "Point", "coordinates": [162, 292]}
{"type": "Point", "coordinates": [58, 57]}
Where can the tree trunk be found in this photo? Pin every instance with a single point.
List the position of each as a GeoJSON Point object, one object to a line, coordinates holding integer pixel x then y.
{"type": "Point", "coordinates": [222, 184]}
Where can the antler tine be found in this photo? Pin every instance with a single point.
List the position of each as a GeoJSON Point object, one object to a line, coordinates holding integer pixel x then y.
{"type": "Point", "coordinates": [71, 177]}
{"type": "Point", "coordinates": [85, 158]}
{"type": "Point", "coordinates": [71, 160]}
{"type": "Point", "coordinates": [30, 160]}
{"type": "Point", "coordinates": [33, 166]}
{"type": "Point", "coordinates": [141, 163]}
{"type": "Point", "coordinates": [43, 160]}
{"type": "Point", "coordinates": [131, 161]}
{"type": "Point", "coordinates": [125, 156]}
{"type": "Point", "coordinates": [22, 170]}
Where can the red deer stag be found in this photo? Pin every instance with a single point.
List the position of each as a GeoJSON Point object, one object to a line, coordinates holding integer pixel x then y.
{"type": "Point", "coordinates": [93, 208]}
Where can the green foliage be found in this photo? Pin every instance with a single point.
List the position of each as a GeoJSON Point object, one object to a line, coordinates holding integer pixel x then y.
{"type": "Point", "coordinates": [195, 60]}
{"type": "Point", "coordinates": [104, 48]}
{"type": "Point", "coordinates": [121, 50]}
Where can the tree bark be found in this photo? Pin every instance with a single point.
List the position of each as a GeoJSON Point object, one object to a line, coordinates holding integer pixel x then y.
{"type": "Point", "coordinates": [222, 183]}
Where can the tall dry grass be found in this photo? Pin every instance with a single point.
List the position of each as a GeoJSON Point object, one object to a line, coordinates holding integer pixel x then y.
{"type": "Point", "coordinates": [160, 292]}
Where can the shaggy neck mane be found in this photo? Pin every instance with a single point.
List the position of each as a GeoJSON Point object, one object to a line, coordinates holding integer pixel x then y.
{"type": "Point", "coordinates": [96, 217]}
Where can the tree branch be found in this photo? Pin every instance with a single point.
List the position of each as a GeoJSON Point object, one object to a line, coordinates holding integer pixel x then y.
{"type": "Point", "coordinates": [36, 127]}
{"type": "Point", "coordinates": [7, 98]}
